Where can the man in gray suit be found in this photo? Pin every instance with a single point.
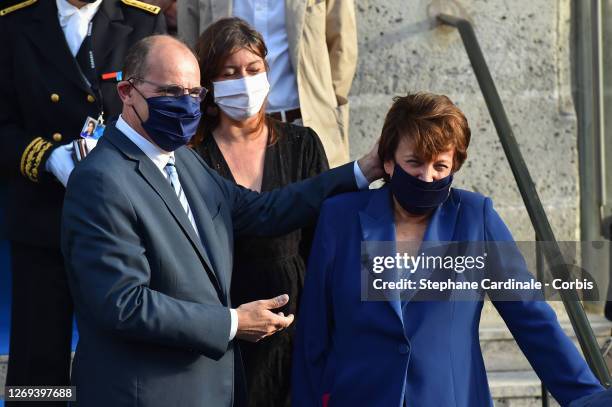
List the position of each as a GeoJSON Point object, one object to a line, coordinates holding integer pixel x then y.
{"type": "Point", "coordinates": [147, 235]}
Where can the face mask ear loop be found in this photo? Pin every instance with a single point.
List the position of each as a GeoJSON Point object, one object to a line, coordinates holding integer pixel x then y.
{"type": "Point", "coordinates": [137, 115]}
{"type": "Point", "coordinates": [141, 95]}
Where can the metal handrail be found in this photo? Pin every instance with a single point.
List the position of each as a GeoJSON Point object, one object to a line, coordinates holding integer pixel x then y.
{"type": "Point", "coordinates": [540, 275]}
{"type": "Point", "coordinates": [531, 199]}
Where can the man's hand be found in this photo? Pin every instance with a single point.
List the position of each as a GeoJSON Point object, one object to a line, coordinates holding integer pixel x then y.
{"type": "Point", "coordinates": [60, 163]}
{"type": "Point", "coordinates": [256, 321]}
{"type": "Point", "coordinates": [370, 165]}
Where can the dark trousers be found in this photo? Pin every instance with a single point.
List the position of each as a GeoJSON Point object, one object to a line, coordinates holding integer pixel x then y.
{"type": "Point", "coordinates": [41, 321]}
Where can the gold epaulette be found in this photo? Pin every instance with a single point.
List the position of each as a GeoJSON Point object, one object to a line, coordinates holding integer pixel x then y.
{"type": "Point", "coordinates": [142, 5]}
{"type": "Point", "coordinates": [32, 155]}
{"type": "Point", "coordinates": [16, 7]}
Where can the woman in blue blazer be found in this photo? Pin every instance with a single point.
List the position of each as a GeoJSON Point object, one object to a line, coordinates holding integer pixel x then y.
{"type": "Point", "coordinates": [350, 352]}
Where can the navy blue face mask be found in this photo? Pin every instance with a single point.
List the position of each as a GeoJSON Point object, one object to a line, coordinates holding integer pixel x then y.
{"type": "Point", "coordinates": [172, 120]}
{"type": "Point", "coordinates": [416, 196]}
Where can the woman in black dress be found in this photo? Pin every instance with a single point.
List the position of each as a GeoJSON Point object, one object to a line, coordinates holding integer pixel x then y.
{"type": "Point", "coordinates": [239, 141]}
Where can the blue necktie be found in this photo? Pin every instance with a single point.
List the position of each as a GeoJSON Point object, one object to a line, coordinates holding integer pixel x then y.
{"type": "Point", "coordinates": [176, 184]}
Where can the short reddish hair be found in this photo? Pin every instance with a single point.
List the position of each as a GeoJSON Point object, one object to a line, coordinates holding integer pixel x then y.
{"type": "Point", "coordinates": [431, 121]}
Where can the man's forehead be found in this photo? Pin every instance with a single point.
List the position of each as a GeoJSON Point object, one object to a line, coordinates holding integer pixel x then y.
{"type": "Point", "coordinates": [173, 65]}
{"type": "Point", "coordinates": [164, 45]}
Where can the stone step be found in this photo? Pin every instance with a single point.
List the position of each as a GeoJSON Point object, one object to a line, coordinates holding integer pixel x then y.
{"type": "Point", "coordinates": [508, 388]}
{"type": "Point", "coordinates": [517, 389]}
{"type": "Point", "coordinates": [501, 352]}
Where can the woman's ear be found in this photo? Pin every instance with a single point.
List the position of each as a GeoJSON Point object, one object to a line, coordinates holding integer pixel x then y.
{"type": "Point", "coordinates": [389, 166]}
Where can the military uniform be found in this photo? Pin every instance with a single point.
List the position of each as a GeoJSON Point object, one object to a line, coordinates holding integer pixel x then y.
{"type": "Point", "coordinates": [45, 96]}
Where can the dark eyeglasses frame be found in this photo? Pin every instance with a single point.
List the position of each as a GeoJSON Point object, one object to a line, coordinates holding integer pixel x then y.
{"type": "Point", "coordinates": [198, 92]}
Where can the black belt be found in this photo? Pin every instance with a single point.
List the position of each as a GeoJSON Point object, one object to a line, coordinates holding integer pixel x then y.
{"type": "Point", "coordinates": [290, 115]}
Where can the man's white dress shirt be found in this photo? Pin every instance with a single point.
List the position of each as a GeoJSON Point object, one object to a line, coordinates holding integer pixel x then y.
{"type": "Point", "coordinates": [268, 17]}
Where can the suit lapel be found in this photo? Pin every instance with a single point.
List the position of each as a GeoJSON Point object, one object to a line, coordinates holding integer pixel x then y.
{"type": "Point", "coordinates": [295, 14]}
{"type": "Point", "coordinates": [162, 187]}
{"type": "Point", "coordinates": [45, 33]}
{"type": "Point", "coordinates": [109, 33]}
{"type": "Point", "coordinates": [438, 236]}
{"type": "Point", "coordinates": [202, 213]}
{"type": "Point", "coordinates": [441, 227]}
{"type": "Point", "coordinates": [377, 225]}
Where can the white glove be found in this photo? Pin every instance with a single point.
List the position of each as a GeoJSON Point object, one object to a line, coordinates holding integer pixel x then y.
{"type": "Point", "coordinates": [60, 163]}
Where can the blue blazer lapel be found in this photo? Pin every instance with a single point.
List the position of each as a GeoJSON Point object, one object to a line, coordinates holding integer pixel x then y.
{"type": "Point", "coordinates": [162, 187]}
{"type": "Point", "coordinates": [440, 231]}
{"type": "Point", "coordinates": [377, 225]}
{"type": "Point", "coordinates": [441, 227]}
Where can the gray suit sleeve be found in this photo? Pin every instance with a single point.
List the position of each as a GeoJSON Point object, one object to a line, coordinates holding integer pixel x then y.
{"type": "Point", "coordinates": [109, 274]}
{"type": "Point", "coordinates": [285, 209]}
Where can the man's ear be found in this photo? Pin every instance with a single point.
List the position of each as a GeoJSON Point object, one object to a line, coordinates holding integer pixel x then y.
{"type": "Point", "coordinates": [124, 89]}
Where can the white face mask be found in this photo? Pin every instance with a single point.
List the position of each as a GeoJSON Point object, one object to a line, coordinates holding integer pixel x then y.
{"type": "Point", "coordinates": [242, 98]}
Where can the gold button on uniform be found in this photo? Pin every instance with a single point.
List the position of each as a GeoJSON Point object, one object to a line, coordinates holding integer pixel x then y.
{"type": "Point", "coordinates": [57, 137]}
{"type": "Point", "coordinates": [91, 99]}
{"type": "Point", "coordinates": [54, 97]}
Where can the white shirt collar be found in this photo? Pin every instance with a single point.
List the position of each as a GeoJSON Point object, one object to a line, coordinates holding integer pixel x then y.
{"type": "Point", "coordinates": [65, 9]}
{"type": "Point", "coordinates": [159, 157]}
{"type": "Point", "coordinates": [75, 21]}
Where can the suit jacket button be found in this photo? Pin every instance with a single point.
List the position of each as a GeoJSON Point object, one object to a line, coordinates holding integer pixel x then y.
{"type": "Point", "coordinates": [91, 99]}
{"type": "Point", "coordinates": [57, 137]}
{"type": "Point", "coordinates": [404, 349]}
{"type": "Point", "coordinates": [54, 97]}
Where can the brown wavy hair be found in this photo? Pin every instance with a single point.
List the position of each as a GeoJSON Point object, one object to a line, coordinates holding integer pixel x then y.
{"type": "Point", "coordinates": [433, 122]}
{"type": "Point", "coordinates": [220, 40]}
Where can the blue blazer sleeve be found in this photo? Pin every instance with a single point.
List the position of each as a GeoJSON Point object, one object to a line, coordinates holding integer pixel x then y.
{"type": "Point", "coordinates": [535, 327]}
{"type": "Point", "coordinates": [601, 399]}
{"type": "Point", "coordinates": [315, 319]}
{"type": "Point", "coordinates": [109, 274]}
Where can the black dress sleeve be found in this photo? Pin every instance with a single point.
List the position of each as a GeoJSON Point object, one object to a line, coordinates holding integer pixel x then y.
{"type": "Point", "coordinates": [315, 162]}
{"type": "Point", "coordinates": [315, 159]}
